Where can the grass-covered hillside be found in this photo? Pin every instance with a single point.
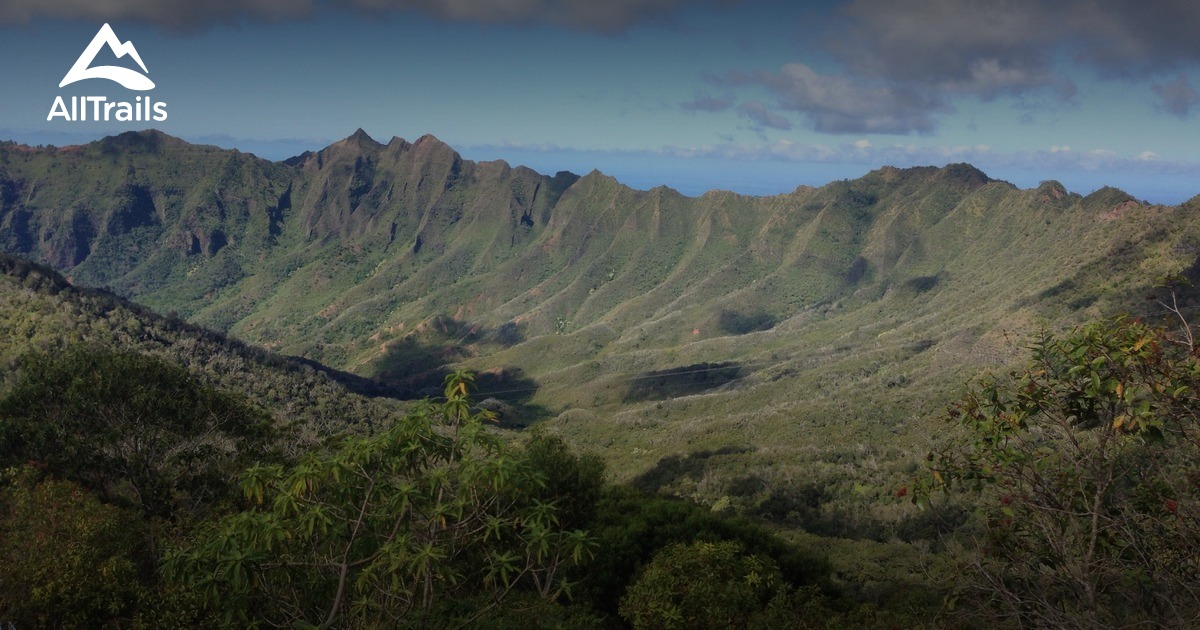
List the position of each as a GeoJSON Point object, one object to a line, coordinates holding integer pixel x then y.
{"type": "Point", "coordinates": [41, 313]}
{"type": "Point", "coordinates": [778, 355]}
{"type": "Point", "coordinates": [157, 474]}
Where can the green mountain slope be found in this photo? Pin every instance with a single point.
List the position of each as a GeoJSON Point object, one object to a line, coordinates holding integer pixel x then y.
{"type": "Point", "coordinates": [40, 311]}
{"type": "Point", "coordinates": [773, 351]}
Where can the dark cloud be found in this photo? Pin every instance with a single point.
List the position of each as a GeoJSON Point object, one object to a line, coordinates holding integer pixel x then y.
{"type": "Point", "coordinates": [758, 112]}
{"type": "Point", "coordinates": [174, 14]}
{"type": "Point", "coordinates": [608, 16]}
{"type": "Point", "coordinates": [994, 47]}
{"type": "Point", "coordinates": [604, 16]}
{"type": "Point", "coordinates": [707, 103]}
{"type": "Point", "coordinates": [986, 47]}
{"type": "Point", "coordinates": [1178, 97]}
{"type": "Point", "coordinates": [1125, 38]}
{"type": "Point", "coordinates": [839, 104]}
{"type": "Point", "coordinates": [903, 61]}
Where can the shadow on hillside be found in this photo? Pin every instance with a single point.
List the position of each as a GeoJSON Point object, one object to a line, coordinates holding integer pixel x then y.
{"type": "Point", "coordinates": [509, 392]}
{"type": "Point", "coordinates": [736, 323]}
{"type": "Point", "coordinates": [682, 381]}
{"type": "Point", "coordinates": [672, 468]}
{"type": "Point", "coordinates": [416, 366]}
{"type": "Point", "coordinates": [1148, 299]}
{"type": "Point", "coordinates": [413, 368]}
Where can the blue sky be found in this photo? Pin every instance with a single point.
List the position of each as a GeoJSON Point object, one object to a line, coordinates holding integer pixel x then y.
{"type": "Point", "coordinates": [757, 97]}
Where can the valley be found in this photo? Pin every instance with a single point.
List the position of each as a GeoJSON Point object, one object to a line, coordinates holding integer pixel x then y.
{"type": "Point", "coordinates": [812, 333]}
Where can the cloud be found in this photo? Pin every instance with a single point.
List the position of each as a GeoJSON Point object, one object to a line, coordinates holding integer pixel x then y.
{"type": "Point", "coordinates": [990, 48]}
{"type": "Point", "coordinates": [984, 47]}
{"type": "Point", "coordinates": [758, 112]}
{"type": "Point", "coordinates": [840, 104]}
{"type": "Point", "coordinates": [1177, 97]}
{"type": "Point", "coordinates": [706, 103]}
{"type": "Point", "coordinates": [609, 16]}
{"type": "Point", "coordinates": [902, 62]}
{"type": "Point", "coordinates": [1127, 39]}
{"type": "Point", "coordinates": [173, 14]}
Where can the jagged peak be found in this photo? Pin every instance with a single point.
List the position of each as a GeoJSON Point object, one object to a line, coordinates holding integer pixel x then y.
{"type": "Point", "coordinates": [429, 139]}
{"type": "Point", "coordinates": [667, 191]}
{"type": "Point", "coordinates": [963, 172]}
{"type": "Point", "coordinates": [360, 137]}
{"type": "Point", "coordinates": [1109, 195]}
{"type": "Point", "coordinates": [502, 168]}
{"type": "Point", "coordinates": [596, 174]}
{"type": "Point", "coordinates": [525, 170]}
{"type": "Point", "coordinates": [151, 140]}
{"type": "Point", "coordinates": [1052, 187]}
{"type": "Point", "coordinates": [1053, 192]}
{"type": "Point", "coordinates": [428, 146]}
{"type": "Point", "coordinates": [1110, 190]}
{"type": "Point", "coordinates": [959, 172]}
{"type": "Point", "coordinates": [353, 144]}
{"type": "Point", "coordinates": [296, 160]}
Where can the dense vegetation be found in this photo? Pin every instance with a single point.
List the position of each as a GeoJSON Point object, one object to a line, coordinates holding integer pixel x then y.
{"type": "Point", "coordinates": [736, 388]}
{"type": "Point", "coordinates": [1085, 471]}
{"type": "Point", "coordinates": [799, 339]}
{"type": "Point", "coordinates": [121, 508]}
{"type": "Point", "coordinates": [135, 495]}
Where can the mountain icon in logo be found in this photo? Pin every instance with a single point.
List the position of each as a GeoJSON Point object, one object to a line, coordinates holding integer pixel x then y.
{"type": "Point", "coordinates": [128, 78]}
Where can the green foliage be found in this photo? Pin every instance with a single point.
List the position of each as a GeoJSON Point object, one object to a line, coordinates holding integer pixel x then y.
{"type": "Point", "coordinates": [631, 528]}
{"type": "Point", "coordinates": [132, 428]}
{"type": "Point", "coordinates": [885, 293]}
{"type": "Point", "coordinates": [68, 560]}
{"type": "Point", "coordinates": [41, 311]}
{"type": "Point", "coordinates": [702, 585]}
{"type": "Point", "coordinates": [573, 483]}
{"type": "Point", "coordinates": [315, 257]}
{"type": "Point", "coordinates": [402, 528]}
{"type": "Point", "coordinates": [1085, 465]}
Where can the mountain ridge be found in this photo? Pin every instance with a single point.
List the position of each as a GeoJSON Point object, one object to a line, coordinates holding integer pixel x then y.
{"type": "Point", "coordinates": [839, 314]}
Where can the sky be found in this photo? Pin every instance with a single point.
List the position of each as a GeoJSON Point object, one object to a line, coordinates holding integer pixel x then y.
{"type": "Point", "coordinates": [758, 97]}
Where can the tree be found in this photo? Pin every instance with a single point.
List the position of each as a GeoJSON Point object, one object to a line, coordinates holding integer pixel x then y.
{"type": "Point", "coordinates": [1085, 469]}
{"type": "Point", "coordinates": [67, 559]}
{"type": "Point", "coordinates": [574, 483]}
{"type": "Point", "coordinates": [128, 426]}
{"type": "Point", "coordinates": [702, 585]}
{"type": "Point", "coordinates": [432, 521]}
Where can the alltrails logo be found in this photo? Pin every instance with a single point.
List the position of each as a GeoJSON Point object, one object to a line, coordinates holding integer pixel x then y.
{"type": "Point", "coordinates": [100, 108]}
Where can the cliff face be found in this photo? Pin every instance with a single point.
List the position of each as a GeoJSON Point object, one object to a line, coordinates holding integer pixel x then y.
{"type": "Point", "coordinates": [334, 253]}
{"type": "Point", "coordinates": [816, 332]}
